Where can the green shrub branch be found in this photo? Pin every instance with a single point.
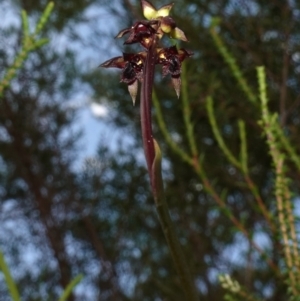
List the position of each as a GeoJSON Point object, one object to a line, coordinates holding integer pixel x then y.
{"type": "Point", "coordinates": [30, 42]}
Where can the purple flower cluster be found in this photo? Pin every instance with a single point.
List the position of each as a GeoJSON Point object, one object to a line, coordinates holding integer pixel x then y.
{"type": "Point", "coordinates": [147, 33]}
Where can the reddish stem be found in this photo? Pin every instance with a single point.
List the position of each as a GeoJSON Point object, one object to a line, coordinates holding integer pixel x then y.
{"type": "Point", "coordinates": [146, 99]}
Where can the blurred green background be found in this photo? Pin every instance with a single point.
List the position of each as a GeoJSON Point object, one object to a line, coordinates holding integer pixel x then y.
{"type": "Point", "coordinates": [66, 209]}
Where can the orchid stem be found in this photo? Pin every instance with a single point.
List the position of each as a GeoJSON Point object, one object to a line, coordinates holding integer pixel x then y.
{"type": "Point", "coordinates": [153, 158]}
{"type": "Point", "coordinates": [146, 99]}
{"type": "Point", "coordinates": [168, 228]}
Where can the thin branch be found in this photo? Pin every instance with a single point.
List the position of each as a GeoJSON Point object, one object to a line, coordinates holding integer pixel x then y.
{"type": "Point", "coordinates": [11, 285]}
{"type": "Point", "coordinates": [283, 86]}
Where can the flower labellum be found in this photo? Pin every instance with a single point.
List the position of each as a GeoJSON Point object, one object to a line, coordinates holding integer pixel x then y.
{"type": "Point", "coordinates": [133, 89]}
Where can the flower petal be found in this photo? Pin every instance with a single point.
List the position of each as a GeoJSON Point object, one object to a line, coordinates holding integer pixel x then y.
{"type": "Point", "coordinates": [131, 39]}
{"type": "Point", "coordinates": [149, 10]}
{"type": "Point", "coordinates": [141, 32]}
{"type": "Point", "coordinates": [177, 33]}
{"type": "Point", "coordinates": [164, 10]}
{"type": "Point", "coordinates": [116, 62]}
{"type": "Point", "coordinates": [176, 81]}
{"type": "Point", "coordinates": [133, 89]}
{"type": "Point", "coordinates": [123, 32]}
{"type": "Point", "coordinates": [183, 53]}
{"type": "Point", "coordinates": [167, 24]}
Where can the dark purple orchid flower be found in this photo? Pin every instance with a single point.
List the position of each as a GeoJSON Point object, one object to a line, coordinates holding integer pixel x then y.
{"type": "Point", "coordinates": [141, 66]}
{"type": "Point", "coordinates": [171, 59]}
{"type": "Point", "coordinates": [142, 32]}
{"type": "Point", "coordinates": [132, 65]}
{"type": "Point", "coordinates": [148, 33]}
{"type": "Point", "coordinates": [167, 24]}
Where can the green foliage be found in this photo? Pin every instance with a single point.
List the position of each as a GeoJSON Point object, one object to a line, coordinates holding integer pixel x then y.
{"type": "Point", "coordinates": [11, 285]}
{"type": "Point", "coordinates": [236, 291]}
{"type": "Point", "coordinates": [68, 290]}
{"type": "Point", "coordinates": [9, 280]}
{"type": "Point", "coordinates": [282, 192]}
{"type": "Point", "coordinates": [229, 180]}
{"type": "Point", "coordinates": [30, 43]}
{"type": "Point", "coordinates": [278, 143]}
{"type": "Point", "coordinates": [230, 60]}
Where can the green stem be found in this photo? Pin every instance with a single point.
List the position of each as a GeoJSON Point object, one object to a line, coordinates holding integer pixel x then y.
{"type": "Point", "coordinates": [168, 229]}
{"type": "Point", "coordinates": [230, 60]}
{"type": "Point", "coordinates": [29, 44]}
{"type": "Point", "coordinates": [242, 165]}
{"type": "Point", "coordinates": [68, 290]}
{"type": "Point", "coordinates": [287, 145]}
{"type": "Point", "coordinates": [198, 168]}
{"type": "Point", "coordinates": [269, 124]}
{"type": "Point", "coordinates": [11, 285]}
{"type": "Point", "coordinates": [217, 134]}
{"type": "Point", "coordinates": [163, 128]}
{"type": "Point", "coordinates": [243, 151]}
{"type": "Point", "coordinates": [186, 109]}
